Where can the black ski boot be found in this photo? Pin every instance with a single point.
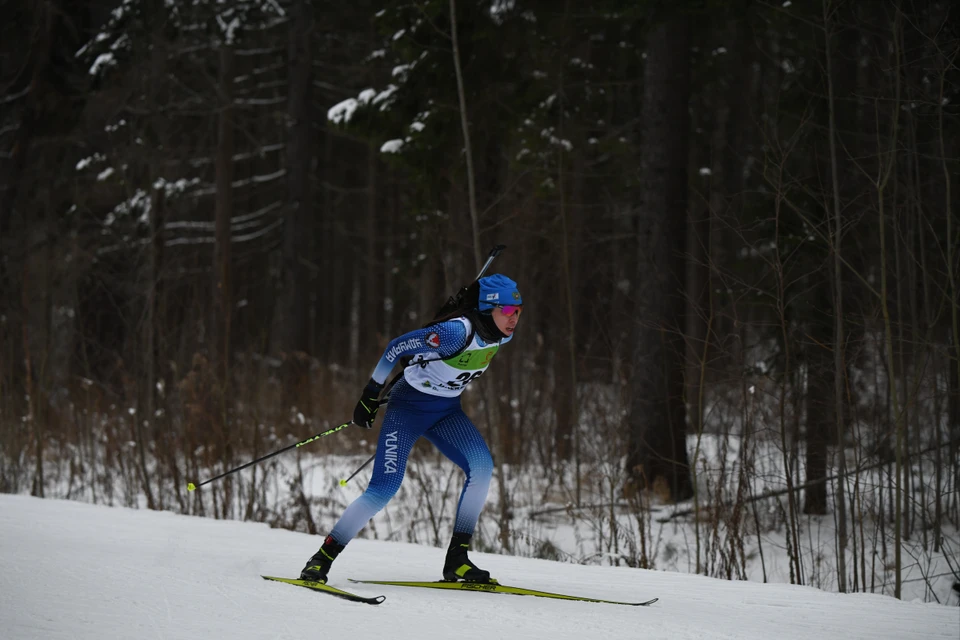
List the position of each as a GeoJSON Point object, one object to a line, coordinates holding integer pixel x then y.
{"type": "Point", "coordinates": [457, 565]}
{"type": "Point", "coordinates": [318, 566]}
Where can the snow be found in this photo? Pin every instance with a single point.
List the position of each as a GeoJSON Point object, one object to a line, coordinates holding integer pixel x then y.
{"type": "Point", "coordinates": [384, 95]}
{"type": "Point", "coordinates": [342, 111]}
{"type": "Point", "coordinates": [86, 162]}
{"type": "Point", "coordinates": [74, 570]}
{"type": "Point", "coordinates": [402, 70]}
{"type": "Point", "coordinates": [229, 28]}
{"type": "Point", "coordinates": [498, 8]}
{"type": "Point", "coordinates": [391, 146]}
{"type": "Point", "coordinates": [103, 60]}
{"type": "Point", "coordinates": [276, 7]}
{"type": "Point", "coordinates": [176, 187]}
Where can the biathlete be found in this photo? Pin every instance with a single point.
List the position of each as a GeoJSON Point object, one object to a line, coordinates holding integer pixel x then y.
{"type": "Point", "coordinates": [441, 360]}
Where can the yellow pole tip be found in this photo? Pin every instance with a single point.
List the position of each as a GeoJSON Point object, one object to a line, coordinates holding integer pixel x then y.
{"type": "Point", "coordinates": [343, 483]}
{"type": "Point", "coordinates": [191, 486]}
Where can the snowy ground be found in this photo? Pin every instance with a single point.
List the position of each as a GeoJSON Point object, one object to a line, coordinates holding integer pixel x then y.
{"type": "Point", "coordinates": [588, 536]}
{"type": "Point", "coordinates": [546, 523]}
{"type": "Point", "coordinates": [74, 570]}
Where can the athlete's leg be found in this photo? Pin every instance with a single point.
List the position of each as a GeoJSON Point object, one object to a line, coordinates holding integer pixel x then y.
{"type": "Point", "coordinates": [457, 438]}
{"type": "Point", "coordinates": [409, 414]}
{"type": "Point", "coordinates": [400, 430]}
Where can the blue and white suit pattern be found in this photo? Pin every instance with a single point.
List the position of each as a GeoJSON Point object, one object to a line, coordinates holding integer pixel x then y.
{"type": "Point", "coordinates": [420, 411]}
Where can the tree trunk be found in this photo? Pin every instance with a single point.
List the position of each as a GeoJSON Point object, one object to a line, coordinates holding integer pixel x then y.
{"type": "Point", "coordinates": [372, 302]}
{"type": "Point", "coordinates": [35, 309]}
{"type": "Point", "coordinates": [888, 160]}
{"type": "Point", "coordinates": [839, 361]}
{"type": "Point", "coordinates": [657, 456]}
{"type": "Point", "coordinates": [386, 223]}
{"type": "Point", "coordinates": [222, 262]}
{"type": "Point", "coordinates": [330, 294]}
{"type": "Point", "coordinates": [154, 249]}
{"type": "Point", "coordinates": [465, 129]}
{"type": "Point", "coordinates": [36, 110]}
{"type": "Point", "coordinates": [565, 399]}
{"type": "Point", "coordinates": [224, 213]}
{"type": "Point", "coordinates": [150, 280]}
{"type": "Point", "coordinates": [819, 399]}
{"type": "Point", "coordinates": [293, 307]}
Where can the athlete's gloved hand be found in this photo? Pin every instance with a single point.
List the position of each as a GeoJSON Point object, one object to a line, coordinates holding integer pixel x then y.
{"type": "Point", "coordinates": [366, 410]}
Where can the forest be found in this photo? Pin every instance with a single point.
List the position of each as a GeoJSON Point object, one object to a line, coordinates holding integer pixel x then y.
{"type": "Point", "coordinates": [734, 224]}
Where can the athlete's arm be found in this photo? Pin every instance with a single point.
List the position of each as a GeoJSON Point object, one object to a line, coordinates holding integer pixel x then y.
{"type": "Point", "coordinates": [444, 339]}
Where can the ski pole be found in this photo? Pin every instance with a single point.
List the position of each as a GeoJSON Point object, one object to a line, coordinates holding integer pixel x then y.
{"type": "Point", "coordinates": [192, 487]}
{"type": "Point", "coordinates": [493, 254]}
{"type": "Point", "coordinates": [343, 483]}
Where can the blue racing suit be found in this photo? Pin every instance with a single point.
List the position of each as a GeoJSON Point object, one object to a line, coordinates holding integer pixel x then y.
{"type": "Point", "coordinates": [425, 402]}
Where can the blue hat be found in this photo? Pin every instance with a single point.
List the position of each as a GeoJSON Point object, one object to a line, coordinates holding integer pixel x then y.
{"type": "Point", "coordinates": [495, 290]}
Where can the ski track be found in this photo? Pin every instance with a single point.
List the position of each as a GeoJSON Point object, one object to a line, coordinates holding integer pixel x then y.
{"type": "Point", "coordinates": [73, 570]}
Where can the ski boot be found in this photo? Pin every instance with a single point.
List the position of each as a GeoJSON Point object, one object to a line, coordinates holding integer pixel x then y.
{"type": "Point", "coordinates": [318, 566]}
{"type": "Point", "coordinates": [457, 565]}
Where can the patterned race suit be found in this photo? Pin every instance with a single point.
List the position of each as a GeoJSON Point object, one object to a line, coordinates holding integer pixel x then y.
{"type": "Point", "coordinates": [425, 402]}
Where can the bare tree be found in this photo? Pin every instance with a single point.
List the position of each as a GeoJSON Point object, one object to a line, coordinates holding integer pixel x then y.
{"type": "Point", "coordinates": [839, 367]}
{"type": "Point", "coordinates": [222, 258]}
{"type": "Point", "coordinates": [298, 218]}
{"type": "Point", "coordinates": [886, 169]}
{"type": "Point", "coordinates": [658, 456]}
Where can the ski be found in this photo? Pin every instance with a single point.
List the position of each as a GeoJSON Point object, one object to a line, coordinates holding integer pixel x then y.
{"type": "Point", "coordinates": [495, 587]}
{"type": "Point", "coordinates": [323, 588]}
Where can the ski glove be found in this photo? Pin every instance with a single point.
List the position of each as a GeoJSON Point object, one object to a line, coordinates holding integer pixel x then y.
{"type": "Point", "coordinates": [366, 410]}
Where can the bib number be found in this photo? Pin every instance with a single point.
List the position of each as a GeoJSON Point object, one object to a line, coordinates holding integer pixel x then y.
{"type": "Point", "coordinates": [464, 379]}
